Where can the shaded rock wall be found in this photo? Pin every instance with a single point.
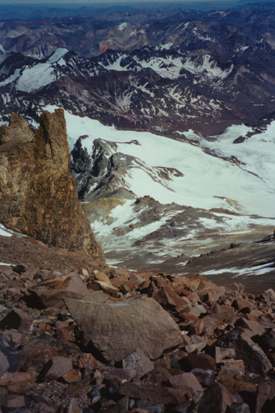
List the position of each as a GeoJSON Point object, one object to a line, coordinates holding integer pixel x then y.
{"type": "Point", "coordinates": [37, 192]}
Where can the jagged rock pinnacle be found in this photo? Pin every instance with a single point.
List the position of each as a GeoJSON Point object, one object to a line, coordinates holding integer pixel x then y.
{"type": "Point", "coordinates": [37, 192]}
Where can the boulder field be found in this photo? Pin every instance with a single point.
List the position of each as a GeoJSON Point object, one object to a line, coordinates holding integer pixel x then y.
{"type": "Point", "coordinates": [88, 340]}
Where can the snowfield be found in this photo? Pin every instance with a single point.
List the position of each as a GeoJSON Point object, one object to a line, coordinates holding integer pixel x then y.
{"type": "Point", "coordinates": [207, 181]}
{"type": "Point", "coordinates": [42, 74]}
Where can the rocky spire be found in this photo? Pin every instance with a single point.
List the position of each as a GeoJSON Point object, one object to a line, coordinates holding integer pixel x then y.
{"type": "Point", "coordinates": [37, 192]}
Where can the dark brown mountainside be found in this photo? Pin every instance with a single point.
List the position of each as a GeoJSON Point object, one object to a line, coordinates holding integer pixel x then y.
{"type": "Point", "coordinates": [37, 192]}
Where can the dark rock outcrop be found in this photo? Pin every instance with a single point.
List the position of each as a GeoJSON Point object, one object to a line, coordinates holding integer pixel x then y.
{"type": "Point", "coordinates": [37, 192]}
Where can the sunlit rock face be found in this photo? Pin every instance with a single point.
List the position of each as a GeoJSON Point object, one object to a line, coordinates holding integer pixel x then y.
{"type": "Point", "coordinates": [37, 192]}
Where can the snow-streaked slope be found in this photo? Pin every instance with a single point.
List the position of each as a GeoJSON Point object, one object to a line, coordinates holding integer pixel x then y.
{"type": "Point", "coordinates": [40, 75]}
{"type": "Point", "coordinates": [248, 271]}
{"type": "Point", "coordinates": [208, 66]}
{"type": "Point", "coordinates": [207, 181]}
{"type": "Point", "coordinates": [170, 66]}
{"type": "Point", "coordinates": [255, 154]}
{"type": "Point", "coordinates": [11, 78]}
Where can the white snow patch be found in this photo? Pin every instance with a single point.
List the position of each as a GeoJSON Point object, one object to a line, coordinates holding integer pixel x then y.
{"type": "Point", "coordinates": [116, 65]}
{"type": "Point", "coordinates": [123, 26]}
{"type": "Point", "coordinates": [57, 55]}
{"type": "Point", "coordinates": [36, 77]}
{"type": "Point", "coordinates": [168, 67]}
{"type": "Point", "coordinates": [5, 264]}
{"type": "Point", "coordinates": [42, 74]}
{"type": "Point", "coordinates": [121, 216]}
{"type": "Point", "coordinates": [166, 46]}
{"type": "Point", "coordinates": [256, 154]}
{"type": "Point", "coordinates": [4, 232]}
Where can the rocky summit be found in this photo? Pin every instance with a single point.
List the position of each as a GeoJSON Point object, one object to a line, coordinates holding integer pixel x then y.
{"type": "Point", "coordinates": [37, 192]}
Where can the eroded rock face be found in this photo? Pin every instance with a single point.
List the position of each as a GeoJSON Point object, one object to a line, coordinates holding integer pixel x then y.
{"type": "Point", "coordinates": [37, 192]}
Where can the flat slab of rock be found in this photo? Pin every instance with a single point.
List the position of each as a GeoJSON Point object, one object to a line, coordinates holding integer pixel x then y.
{"type": "Point", "coordinates": [120, 328]}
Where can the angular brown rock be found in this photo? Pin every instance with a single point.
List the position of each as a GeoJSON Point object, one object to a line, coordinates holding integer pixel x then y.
{"type": "Point", "coordinates": [118, 328]}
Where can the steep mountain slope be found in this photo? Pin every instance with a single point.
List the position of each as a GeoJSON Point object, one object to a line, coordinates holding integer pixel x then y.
{"type": "Point", "coordinates": [150, 198]}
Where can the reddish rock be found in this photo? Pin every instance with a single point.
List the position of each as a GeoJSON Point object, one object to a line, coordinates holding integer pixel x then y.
{"type": "Point", "coordinates": [167, 295]}
{"type": "Point", "coordinates": [72, 376]}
